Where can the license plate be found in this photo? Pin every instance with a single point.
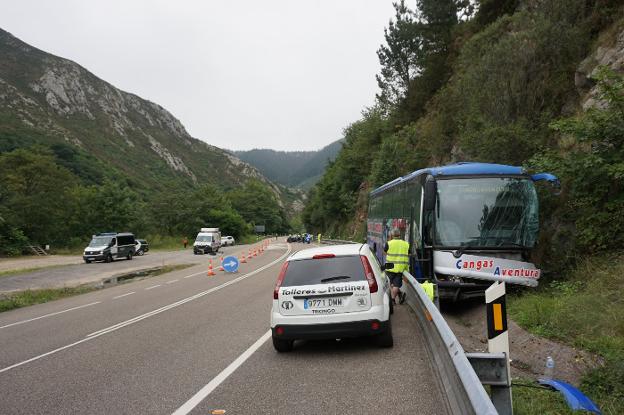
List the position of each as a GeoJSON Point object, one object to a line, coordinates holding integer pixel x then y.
{"type": "Point", "coordinates": [316, 303]}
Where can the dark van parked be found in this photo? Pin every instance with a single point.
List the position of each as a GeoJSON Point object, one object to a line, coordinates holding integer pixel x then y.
{"type": "Point", "coordinates": [141, 247]}
{"type": "Point", "coordinates": [109, 246]}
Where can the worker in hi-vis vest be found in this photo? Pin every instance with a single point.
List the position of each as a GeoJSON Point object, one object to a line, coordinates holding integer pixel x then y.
{"type": "Point", "coordinates": [397, 254]}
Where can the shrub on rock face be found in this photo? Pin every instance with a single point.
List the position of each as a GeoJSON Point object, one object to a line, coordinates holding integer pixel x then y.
{"type": "Point", "coordinates": [590, 163]}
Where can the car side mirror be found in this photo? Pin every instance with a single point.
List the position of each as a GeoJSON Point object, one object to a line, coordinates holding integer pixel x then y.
{"type": "Point", "coordinates": [430, 195]}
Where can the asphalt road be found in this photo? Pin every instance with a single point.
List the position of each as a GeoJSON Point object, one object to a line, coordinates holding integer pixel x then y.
{"type": "Point", "coordinates": [190, 343]}
{"type": "Point", "coordinates": [81, 273]}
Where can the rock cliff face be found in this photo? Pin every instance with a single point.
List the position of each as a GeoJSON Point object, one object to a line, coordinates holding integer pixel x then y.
{"type": "Point", "coordinates": [49, 100]}
{"type": "Point", "coordinates": [609, 54]}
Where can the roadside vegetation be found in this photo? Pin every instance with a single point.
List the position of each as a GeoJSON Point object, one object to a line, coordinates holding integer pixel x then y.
{"type": "Point", "coordinates": [503, 82]}
{"type": "Point", "coordinates": [19, 299]}
{"type": "Point", "coordinates": [44, 202]}
{"type": "Point", "coordinates": [531, 399]}
{"type": "Point", "coordinates": [31, 297]}
{"type": "Point", "coordinates": [585, 309]}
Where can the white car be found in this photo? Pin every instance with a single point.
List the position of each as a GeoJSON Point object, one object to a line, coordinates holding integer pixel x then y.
{"type": "Point", "coordinates": [331, 292]}
{"type": "Point", "coordinates": [227, 241]}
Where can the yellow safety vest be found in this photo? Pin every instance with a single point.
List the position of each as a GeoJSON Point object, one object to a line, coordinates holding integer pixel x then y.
{"type": "Point", "coordinates": [428, 287]}
{"type": "Point", "coordinates": [398, 254]}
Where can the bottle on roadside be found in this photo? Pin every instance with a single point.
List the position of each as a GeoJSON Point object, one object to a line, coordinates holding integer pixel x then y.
{"type": "Point", "coordinates": [550, 368]}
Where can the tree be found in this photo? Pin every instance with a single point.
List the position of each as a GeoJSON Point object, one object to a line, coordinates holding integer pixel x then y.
{"type": "Point", "coordinates": [400, 56]}
{"type": "Point", "coordinates": [35, 194]}
{"type": "Point", "coordinates": [259, 206]}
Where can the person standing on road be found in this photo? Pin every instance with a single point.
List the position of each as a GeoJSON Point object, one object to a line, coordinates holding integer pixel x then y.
{"type": "Point", "coordinates": [397, 254]}
{"type": "Point", "coordinates": [185, 242]}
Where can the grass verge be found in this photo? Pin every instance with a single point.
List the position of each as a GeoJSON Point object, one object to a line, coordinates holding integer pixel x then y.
{"type": "Point", "coordinates": [27, 298]}
{"type": "Point", "coordinates": [530, 400]}
{"type": "Point", "coordinates": [585, 310]}
{"type": "Point", "coordinates": [31, 297]}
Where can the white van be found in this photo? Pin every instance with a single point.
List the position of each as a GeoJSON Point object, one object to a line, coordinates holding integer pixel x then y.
{"type": "Point", "coordinates": [208, 240]}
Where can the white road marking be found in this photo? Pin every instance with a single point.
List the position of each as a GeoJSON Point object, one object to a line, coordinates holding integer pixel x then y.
{"type": "Point", "coordinates": [172, 281]}
{"type": "Point", "coordinates": [192, 275]}
{"type": "Point", "coordinates": [115, 327]}
{"type": "Point", "coordinates": [49, 315]}
{"type": "Point", "coordinates": [186, 300]}
{"type": "Point", "coordinates": [124, 295]}
{"type": "Point", "coordinates": [214, 383]}
{"type": "Point", "coordinates": [153, 286]}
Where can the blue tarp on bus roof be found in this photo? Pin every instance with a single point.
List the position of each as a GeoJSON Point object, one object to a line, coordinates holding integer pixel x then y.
{"type": "Point", "coordinates": [460, 169]}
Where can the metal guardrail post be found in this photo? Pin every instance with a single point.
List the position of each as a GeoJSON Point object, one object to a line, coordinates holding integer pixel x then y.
{"type": "Point", "coordinates": [498, 343]}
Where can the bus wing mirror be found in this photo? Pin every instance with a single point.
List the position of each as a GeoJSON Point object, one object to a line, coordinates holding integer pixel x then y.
{"type": "Point", "coordinates": [430, 195]}
{"type": "Point", "coordinates": [550, 178]}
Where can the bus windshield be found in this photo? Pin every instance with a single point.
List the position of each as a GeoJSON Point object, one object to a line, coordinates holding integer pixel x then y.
{"type": "Point", "coordinates": [486, 213]}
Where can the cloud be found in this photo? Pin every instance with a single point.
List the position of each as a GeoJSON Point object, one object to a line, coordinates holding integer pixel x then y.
{"type": "Point", "coordinates": [280, 74]}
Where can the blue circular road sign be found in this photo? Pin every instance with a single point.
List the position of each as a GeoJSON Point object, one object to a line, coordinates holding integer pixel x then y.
{"type": "Point", "coordinates": [230, 264]}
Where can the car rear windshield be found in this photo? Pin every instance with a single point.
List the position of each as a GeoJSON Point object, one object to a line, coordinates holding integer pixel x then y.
{"type": "Point", "coordinates": [324, 271]}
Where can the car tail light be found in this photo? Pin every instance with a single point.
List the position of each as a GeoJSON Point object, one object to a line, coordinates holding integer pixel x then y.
{"type": "Point", "coordinates": [375, 325]}
{"type": "Point", "coordinates": [370, 277]}
{"type": "Point", "coordinates": [323, 256]}
{"type": "Point", "coordinates": [280, 279]}
{"type": "Point", "coordinates": [279, 331]}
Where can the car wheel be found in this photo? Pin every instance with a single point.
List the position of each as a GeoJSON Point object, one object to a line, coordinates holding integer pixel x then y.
{"type": "Point", "coordinates": [283, 346]}
{"type": "Point", "coordinates": [385, 339]}
{"type": "Point", "coordinates": [129, 256]}
{"type": "Point", "coordinates": [140, 252]}
{"type": "Point", "coordinates": [87, 261]}
{"type": "Point", "coordinates": [109, 258]}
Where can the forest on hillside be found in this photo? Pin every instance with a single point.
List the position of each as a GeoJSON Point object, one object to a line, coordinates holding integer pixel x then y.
{"type": "Point", "coordinates": [49, 197]}
{"type": "Point", "coordinates": [492, 82]}
{"type": "Point", "coordinates": [297, 169]}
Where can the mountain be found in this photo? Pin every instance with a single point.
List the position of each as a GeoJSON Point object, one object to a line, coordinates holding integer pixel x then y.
{"type": "Point", "coordinates": [100, 130]}
{"type": "Point", "coordinates": [298, 169]}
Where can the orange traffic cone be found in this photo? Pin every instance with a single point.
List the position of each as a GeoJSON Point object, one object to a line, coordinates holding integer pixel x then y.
{"type": "Point", "coordinates": [243, 260]}
{"type": "Point", "coordinates": [221, 266]}
{"type": "Point", "coordinates": [249, 255]}
{"type": "Point", "coordinates": [255, 252]}
{"type": "Point", "coordinates": [210, 271]}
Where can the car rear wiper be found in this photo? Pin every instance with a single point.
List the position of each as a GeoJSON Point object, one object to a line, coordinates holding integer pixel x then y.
{"type": "Point", "coordinates": [339, 277]}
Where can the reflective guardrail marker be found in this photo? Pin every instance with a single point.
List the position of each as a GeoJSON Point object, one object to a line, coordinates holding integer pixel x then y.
{"type": "Point", "coordinates": [498, 340]}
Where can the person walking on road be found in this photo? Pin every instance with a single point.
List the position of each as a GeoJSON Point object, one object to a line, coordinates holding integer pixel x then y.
{"type": "Point", "coordinates": [185, 242]}
{"type": "Point", "coordinates": [397, 254]}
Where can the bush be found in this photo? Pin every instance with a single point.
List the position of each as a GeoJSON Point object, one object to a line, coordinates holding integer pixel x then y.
{"type": "Point", "coordinates": [586, 310]}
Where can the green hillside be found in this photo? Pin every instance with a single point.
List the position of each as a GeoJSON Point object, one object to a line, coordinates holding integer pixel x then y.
{"type": "Point", "coordinates": [300, 169]}
{"type": "Point", "coordinates": [72, 144]}
{"type": "Point", "coordinates": [533, 83]}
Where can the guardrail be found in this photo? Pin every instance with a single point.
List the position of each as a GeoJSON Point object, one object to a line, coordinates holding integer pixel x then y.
{"type": "Point", "coordinates": [459, 381]}
{"type": "Point", "coordinates": [461, 375]}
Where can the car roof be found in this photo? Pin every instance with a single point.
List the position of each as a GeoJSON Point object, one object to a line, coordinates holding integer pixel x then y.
{"type": "Point", "coordinates": [338, 250]}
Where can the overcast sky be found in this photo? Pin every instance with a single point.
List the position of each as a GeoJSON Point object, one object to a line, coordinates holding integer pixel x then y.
{"type": "Point", "coordinates": [281, 74]}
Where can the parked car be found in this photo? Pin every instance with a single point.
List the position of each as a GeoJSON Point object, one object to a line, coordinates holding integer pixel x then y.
{"type": "Point", "coordinates": [227, 241]}
{"type": "Point", "coordinates": [141, 247]}
{"type": "Point", "coordinates": [331, 292]}
{"type": "Point", "coordinates": [109, 246]}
